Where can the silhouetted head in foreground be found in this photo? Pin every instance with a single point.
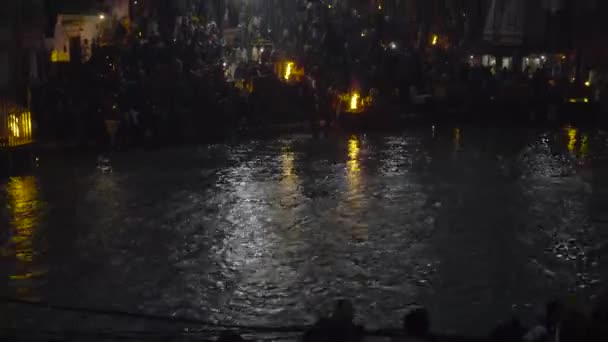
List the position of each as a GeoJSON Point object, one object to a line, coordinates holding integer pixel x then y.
{"type": "Point", "coordinates": [599, 319]}
{"type": "Point", "coordinates": [416, 323]}
{"type": "Point", "coordinates": [508, 331]}
{"type": "Point", "coordinates": [338, 327]}
{"type": "Point", "coordinates": [228, 336]}
{"type": "Point", "coordinates": [554, 311]}
{"type": "Point", "coordinates": [343, 311]}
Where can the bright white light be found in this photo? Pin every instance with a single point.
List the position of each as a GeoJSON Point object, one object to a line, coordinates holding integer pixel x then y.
{"type": "Point", "coordinates": [393, 45]}
{"type": "Point", "coordinates": [543, 57]}
{"type": "Point", "coordinates": [135, 2]}
{"type": "Point", "coordinates": [102, 16]}
{"type": "Point", "coordinates": [224, 64]}
{"type": "Point", "coordinates": [471, 57]}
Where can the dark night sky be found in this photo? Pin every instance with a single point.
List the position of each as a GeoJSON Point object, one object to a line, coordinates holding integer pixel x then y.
{"type": "Point", "coordinates": [53, 7]}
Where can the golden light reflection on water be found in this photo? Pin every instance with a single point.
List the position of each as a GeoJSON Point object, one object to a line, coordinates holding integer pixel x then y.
{"type": "Point", "coordinates": [289, 183]}
{"type": "Point", "coordinates": [457, 138]}
{"type": "Point", "coordinates": [584, 149]}
{"type": "Point", "coordinates": [572, 133]}
{"type": "Point", "coordinates": [353, 156]}
{"type": "Point", "coordinates": [290, 192]}
{"type": "Point", "coordinates": [24, 204]}
{"type": "Point", "coordinates": [352, 165]}
{"type": "Point", "coordinates": [355, 194]}
{"type": "Point", "coordinates": [287, 163]}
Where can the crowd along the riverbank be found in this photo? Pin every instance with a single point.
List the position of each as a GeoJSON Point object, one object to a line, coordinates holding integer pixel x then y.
{"type": "Point", "coordinates": [560, 321]}
{"type": "Point", "coordinates": [190, 86]}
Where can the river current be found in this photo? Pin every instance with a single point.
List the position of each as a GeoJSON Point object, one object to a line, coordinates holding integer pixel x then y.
{"type": "Point", "coordinates": [474, 223]}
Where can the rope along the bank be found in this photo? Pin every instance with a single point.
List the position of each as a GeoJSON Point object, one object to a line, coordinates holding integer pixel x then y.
{"type": "Point", "coordinates": [184, 320]}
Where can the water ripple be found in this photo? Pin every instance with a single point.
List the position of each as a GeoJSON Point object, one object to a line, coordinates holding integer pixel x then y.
{"type": "Point", "coordinates": [269, 232]}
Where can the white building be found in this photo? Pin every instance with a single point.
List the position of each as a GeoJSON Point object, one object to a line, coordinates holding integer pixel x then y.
{"type": "Point", "coordinates": [77, 29]}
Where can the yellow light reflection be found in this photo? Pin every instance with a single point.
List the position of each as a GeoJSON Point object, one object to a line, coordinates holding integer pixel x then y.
{"type": "Point", "coordinates": [289, 189]}
{"type": "Point", "coordinates": [584, 149]}
{"type": "Point", "coordinates": [25, 276]}
{"type": "Point", "coordinates": [434, 40]}
{"type": "Point", "coordinates": [354, 99]}
{"type": "Point", "coordinates": [353, 155]}
{"type": "Point", "coordinates": [24, 205]}
{"type": "Point", "coordinates": [355, 197]}
{"type": "Point", "coordinates": [457, 138]}
{"type": "Point", "coordinates": [287, 159]}
{"type": "Point", "coordinates": [572, 132]}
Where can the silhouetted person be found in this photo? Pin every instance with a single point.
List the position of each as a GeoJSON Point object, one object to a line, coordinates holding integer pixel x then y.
{"type": "Point", "coordinates": [547, 330]}
{"type": "Point", "coordinates": [337, 328]}
{"type": "Point", "coordinates": [599, 319]}
{"type": "Point", "coordinates": [574, 327]}
{"type": "Point", "coordinates": [416, 325]}
{"type": "Point", "coordinates": [511, 331]}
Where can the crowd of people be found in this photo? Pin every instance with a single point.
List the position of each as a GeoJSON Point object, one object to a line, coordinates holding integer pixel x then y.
{"type": "Point", "coordinates": [158, 91]}
{"type": "Point", "coordinates": [168, 89]}
{"type": "Point", "coordinates": [560, 322]}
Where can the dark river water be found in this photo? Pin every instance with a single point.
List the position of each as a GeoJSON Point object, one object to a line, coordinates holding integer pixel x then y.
{"type": "Point", "coordinates": [475, 223]}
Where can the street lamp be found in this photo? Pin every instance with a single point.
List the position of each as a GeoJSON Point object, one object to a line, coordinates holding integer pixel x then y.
{"type": "Point", "coordinates": [102, 16]}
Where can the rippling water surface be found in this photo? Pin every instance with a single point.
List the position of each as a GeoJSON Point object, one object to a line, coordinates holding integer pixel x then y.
{"type": "Point", "coordinates": [474, 223]}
